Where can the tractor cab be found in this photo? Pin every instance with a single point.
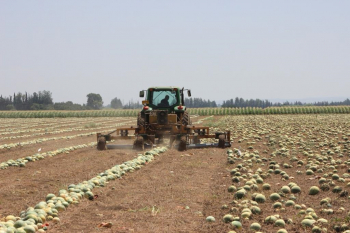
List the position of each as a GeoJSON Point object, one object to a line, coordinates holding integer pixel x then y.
{"type": "Point", "coordinates": [164, 98]}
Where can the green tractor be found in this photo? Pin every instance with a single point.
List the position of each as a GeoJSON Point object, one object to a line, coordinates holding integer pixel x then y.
{"type": "Point", "coordinates": [164, 116]}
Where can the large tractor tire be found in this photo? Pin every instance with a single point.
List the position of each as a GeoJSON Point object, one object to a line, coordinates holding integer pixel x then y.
{"type": "Point", "coordinates": [186, 119]}
{"type": "Point", "coordinates": [182, 143]}
{"type": "Point", "coordinates": [101, 144]}
{"type": "Point", "coordinates": [140, 120]}
{"type": "Point", "coordinates": [222, 141]}
{"type": "Point", "coordinates": [138, 143]}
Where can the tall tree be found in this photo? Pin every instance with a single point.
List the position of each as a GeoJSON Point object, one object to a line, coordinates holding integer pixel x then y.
{"type": "Point", "coordinates": [116, 103]}
{"type": "Point", "coordinates": [45, 97]}
{"type": "Point", "coordinates": [94, 101]}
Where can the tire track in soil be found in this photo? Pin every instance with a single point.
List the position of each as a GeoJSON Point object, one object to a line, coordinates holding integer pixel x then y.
{"type": "Point", "coordinates": [152, 199]}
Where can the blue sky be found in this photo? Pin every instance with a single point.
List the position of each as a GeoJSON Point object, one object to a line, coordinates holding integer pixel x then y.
{"type": "Point", "coordinates": [218, 49]}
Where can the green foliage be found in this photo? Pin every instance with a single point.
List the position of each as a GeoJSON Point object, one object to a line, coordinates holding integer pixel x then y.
{"type": "Point", "coordinates": [69, 105]}
{"type": "Point", "coordinates": [199, 103]}
{"type": "Point", "coordinates": [116, 103]}
{"type": "Point", "coordinates": [196, 111]}
{"type": "Point", "coordinates": [41, 101]}
{"type": "Point", "coordinates": [94, 101]}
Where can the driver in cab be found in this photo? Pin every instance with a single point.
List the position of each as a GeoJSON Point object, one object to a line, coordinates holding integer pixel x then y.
{"type": "Point", "coordinates": [165, 102]}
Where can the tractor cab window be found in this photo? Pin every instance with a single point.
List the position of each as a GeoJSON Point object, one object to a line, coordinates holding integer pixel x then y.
{"type": "Point", "coordinates": [164, 98]}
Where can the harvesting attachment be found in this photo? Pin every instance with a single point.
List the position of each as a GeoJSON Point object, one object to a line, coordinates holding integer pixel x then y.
{"type": "Point", "coordinates": [163, 117]}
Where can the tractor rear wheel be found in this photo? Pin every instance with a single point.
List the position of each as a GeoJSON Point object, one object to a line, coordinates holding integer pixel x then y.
{"type": "Point", "coordinates": [140, 120]}
{"type": "Point", "coordinates": [101, 144]}
{"type": "Point", "coordinates": [138, 143]}
{"type": "Point", "coordinates": [222, 141]}
{"type": "Point", "coordinates": [186, 119]}
{"type": "Point", "coordinates": [182, 144]}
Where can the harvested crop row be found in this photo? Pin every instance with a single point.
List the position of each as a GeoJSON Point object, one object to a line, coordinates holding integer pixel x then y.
{"type": "Point", "coordinates": [33, 219]}
{"type": "Point", "coordinates": [15, 124]}
{"type": "Point", "coordinates": [21, 162]}
{"type": "Point", "coordinates": [48, 131]}
{"type": "Point", "coordinates": [21, 144]}
{"type": "Point", "coordinates": [58, 125]}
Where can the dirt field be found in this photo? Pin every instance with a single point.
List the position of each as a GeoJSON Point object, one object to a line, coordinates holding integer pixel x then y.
{"type": "Point", "coordinates": [178, 190]}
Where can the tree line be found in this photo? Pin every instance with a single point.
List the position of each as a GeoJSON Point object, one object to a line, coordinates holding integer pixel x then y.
{"type": "Point", "coordinates": [240, 102]}
{"type": "Point", "coordinates": [43, 100]}
{"type": "Point", "coordinates": [24, 101]}
{"type": "Point", "coordinates": [199, 103]}
{"type": "Point", "coordinates": [117, 104]}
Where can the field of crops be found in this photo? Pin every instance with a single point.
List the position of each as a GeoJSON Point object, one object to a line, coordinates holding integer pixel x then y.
{"type": "Point", "coordinates": [193, 111]}
{"type": "Point", "coordinates": [283, 173]}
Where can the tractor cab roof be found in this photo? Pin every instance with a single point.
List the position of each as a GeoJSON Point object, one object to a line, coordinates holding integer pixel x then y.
{"type": "Point", "coordinates": [165, 87]}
